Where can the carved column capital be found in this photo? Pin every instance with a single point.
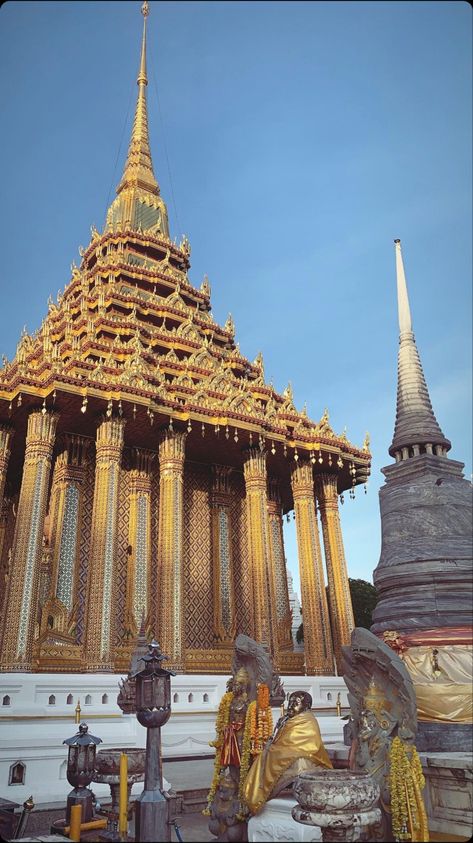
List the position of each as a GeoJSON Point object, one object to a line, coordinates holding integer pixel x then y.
{"type": "Point", "coordinates": [302, 480]}
{"type": "Point", "coordinates": [326, 488]}
{"type": "Point", "coordinates": [274, 497]}
{"type": "Point", "coordinates": [141, 462]}
{"type": "Point", "coordinates": [220, 494]}
{"type": "Point", "coordinates": [40, 434]}
{"type": "Point", "coordinates": [6, 435]}
{"type": "Point", "coordinates": [109, 441]}
{"type": "Point", "coordinates": [172, 449]}
{"type": "Point", "coordinates": [254, 467]}
{"type": "Point", "coordinates": [70, 463]}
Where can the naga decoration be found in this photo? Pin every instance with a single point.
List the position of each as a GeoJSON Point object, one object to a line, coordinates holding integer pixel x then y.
{"type": "Point", "coordinates": [381, 729]}
{"type": "Point", "coordinates": [257, 661]}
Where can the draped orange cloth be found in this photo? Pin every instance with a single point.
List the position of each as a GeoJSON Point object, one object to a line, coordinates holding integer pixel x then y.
{"type": "Point", "coordinates": [230, 748]}
{"type": "Point", "coordinates": [299, 737]}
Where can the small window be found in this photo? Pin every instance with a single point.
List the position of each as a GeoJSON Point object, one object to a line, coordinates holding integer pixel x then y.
{"type": "Point", "coordinates": [50, 621]}
{"type": "Point", "coordinates": [205, 698]}
{"type": "Point", "coordinates": [6, 700]}
{"type": "Point", "coordinates": [17, 773]}
{"type": "Point", "coordinates": [329, 696]}
{"type": "Point", "coordinates": [190, 698]}
{"type": "Point", "coordinates": [175, 698]}
{"type": "Point", "coordinates": [52, 700]}
{"type": "Point", "coordinates": [69, 699]}
{"type": "Point", "coordinates": [104, 699]}
{"type": "Point", "coordinates": [88, 700]}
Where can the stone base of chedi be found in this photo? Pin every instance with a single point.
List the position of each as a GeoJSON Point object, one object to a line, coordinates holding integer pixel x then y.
{"type": "Point", "coordinates": [424, 582]}
{"type": "Point", "coordinates": [424, 576]}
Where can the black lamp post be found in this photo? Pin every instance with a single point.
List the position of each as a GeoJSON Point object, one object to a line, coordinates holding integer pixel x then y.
{"type": "Point", "coordinates": [80, 771]}
{"type": "Point", "coordinates": [153, 710]}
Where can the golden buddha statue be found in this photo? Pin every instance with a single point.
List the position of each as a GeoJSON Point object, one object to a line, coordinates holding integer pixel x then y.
{"type": "Point", "coordinates": [295, 747]}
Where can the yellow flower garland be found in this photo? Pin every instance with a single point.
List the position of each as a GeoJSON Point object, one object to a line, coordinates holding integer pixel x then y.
{"type": "Point", "coordinates": [406, 781]}
{"type": "Point", "coordinates": [223, 716]}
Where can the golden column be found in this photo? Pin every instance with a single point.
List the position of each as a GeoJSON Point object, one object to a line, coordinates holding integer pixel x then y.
{"type": "Point", "coordinates": [315, 616]}
{"type": "Point", "coordinates": [5, 441]}
{"type": "Point", "coordinates": [341, 610]}
{"type": "Point", "coordinates": [283, 609]}
{"type": "Point", "coordinates": [101, 586]}
{"type": "Point", "coordinates": [18, 637]}
{"type": "Point", "coordinates": [170, 586]}
{"type": "Point", "coordinates": [222, 568]}
{"type": "Point", "coordinates": [139, 539]}
{"type": "Point", "coordinates": [65, 513]}
{"type": "Point", "coordinates": [259, 548]}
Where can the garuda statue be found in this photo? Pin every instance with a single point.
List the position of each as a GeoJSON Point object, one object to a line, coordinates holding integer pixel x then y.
{"type": "Point", "coordinates": [381, 729]}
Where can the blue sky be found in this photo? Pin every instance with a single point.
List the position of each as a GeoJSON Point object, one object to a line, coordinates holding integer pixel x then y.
{"type": "Point", "coordinates": [292, 142]}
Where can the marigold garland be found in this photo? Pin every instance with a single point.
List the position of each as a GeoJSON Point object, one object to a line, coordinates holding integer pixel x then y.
{"type": "Point", "coordinates": [223, 717]}
{"type": "Point", "coordinates": [406, 781]}
{"type": "Point", "coordinates": [246, 757]}
{"type": "Point", "coordinates": [262, 726]}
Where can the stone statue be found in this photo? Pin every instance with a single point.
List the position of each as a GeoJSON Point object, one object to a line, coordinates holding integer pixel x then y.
{"type": "Point", "coordinates": [295, 747]}
{"type": "Point", "coordinates": [224, 804]}
{"type": "Point", "coordinates": [243, 725]}
{"type": "Point", "coordinates": [225, 821]}
{"type": "Point", "coordinates": [383, 706]}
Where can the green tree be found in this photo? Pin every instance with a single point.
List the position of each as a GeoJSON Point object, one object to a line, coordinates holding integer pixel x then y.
{"type": "Point", "coordinates": [363, 597]}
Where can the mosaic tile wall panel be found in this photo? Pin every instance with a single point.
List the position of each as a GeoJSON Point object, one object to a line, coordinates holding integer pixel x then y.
{"type": "Point", "coordinates": [122, 557]}
{"type": "Point", "coordinates": [7, 544]}
{"type": "Point", "coordinates": [198, 587]}
{"type": "Point", "coordinates": [140, 591]}
{"type": "Point", "coordinates": [241, 574]}
{"type": "Point", "coordinates": [67, 554]}
{"type": "Point", "coordinates": [85, 528]}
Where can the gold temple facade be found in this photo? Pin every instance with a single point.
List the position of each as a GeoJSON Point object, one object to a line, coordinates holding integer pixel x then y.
{"type": "Point", "coordinates": [146, 465]}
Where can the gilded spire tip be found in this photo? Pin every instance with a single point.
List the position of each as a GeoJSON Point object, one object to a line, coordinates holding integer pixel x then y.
{"type": "Point", "coordinates": [145, 9]}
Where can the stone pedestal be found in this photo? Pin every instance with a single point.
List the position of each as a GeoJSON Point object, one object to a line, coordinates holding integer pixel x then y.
{"type": "Point", "coordinates": [341, 802]}
{"type": "Point", "coordinates": [275, 823]}
{"type": "Point", "coordinates": [448, 793]}
{"type": "Point", "coordinates": [443, 737]}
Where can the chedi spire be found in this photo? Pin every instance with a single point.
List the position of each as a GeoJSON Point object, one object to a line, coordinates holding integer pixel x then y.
{"type": "Point", "coordinates": [416, 430]}
{"type": "Point", "coordinates": [138, 203]}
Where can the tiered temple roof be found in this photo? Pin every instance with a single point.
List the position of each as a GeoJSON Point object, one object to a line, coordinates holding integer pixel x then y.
{"type": "Point", "coordinates": [131, 334]}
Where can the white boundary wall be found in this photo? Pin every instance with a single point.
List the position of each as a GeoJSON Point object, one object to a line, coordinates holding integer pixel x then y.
{"type": "Point", "coordinates": [32, 728]}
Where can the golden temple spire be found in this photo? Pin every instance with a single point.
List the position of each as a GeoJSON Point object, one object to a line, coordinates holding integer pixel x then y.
{"type": "Point", "coordinates": [139, 167]}
{"type": "Point", "coordinates": [138, 201]}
